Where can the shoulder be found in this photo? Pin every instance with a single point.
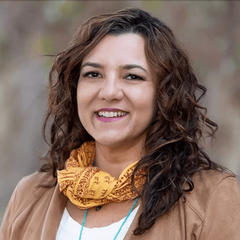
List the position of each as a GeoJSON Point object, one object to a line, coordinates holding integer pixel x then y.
{"type": "Point", "coordinates": [32, 185]}
{"type": "Point", "coordinates": [209, 186]}
{"type": "Point", "coordinates": [27, 198]}
{"type": "Point", "coordinates": [32, 181]}
{"type": "Point", "coordinates": [29, 191]}
{"type": "Point", "coordinates": [33, 205]}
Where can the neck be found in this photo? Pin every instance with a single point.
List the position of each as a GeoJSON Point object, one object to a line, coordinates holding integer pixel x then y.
{"type": "Point", "coordinates": [114, 160]}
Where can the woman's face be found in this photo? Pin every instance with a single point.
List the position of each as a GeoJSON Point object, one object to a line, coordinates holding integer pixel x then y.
{"type": "Point", "coordinates": [116, 91]}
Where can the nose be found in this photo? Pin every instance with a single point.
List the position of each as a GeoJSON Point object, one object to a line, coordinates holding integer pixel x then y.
{"type": "Point", "coordinates": [111, 89]}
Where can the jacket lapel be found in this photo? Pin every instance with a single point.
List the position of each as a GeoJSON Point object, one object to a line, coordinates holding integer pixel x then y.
{"type": "Point", "coordinates": [54, 215]}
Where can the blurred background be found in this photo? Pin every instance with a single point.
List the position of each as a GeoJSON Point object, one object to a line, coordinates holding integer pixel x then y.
{"type": "Point", "coordinates": [208, 30]}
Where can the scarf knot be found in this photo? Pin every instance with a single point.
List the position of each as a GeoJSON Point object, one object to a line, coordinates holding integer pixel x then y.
{"type": "Point", "coordinates": [87, 186]}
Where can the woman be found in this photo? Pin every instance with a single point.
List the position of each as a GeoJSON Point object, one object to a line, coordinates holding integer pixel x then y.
{"type": "Point", "coordinates": [125, 159]}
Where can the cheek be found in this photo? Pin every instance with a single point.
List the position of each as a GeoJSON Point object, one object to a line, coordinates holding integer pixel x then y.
{"type": "Point", "coordinates": [81, 102]}
{"type": "Point", "coordinates": [147, 108]}
{"type": "Point", "coordinates": [83, 94]}
{"type": "Point", "coordinates": [149, 101]}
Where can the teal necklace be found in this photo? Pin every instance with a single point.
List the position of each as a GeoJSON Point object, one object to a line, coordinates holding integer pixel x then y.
{"type": "Point", "coordinates": [119, 230]}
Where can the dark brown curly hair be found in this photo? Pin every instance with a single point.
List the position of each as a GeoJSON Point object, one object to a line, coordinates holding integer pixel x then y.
{"type": "Point", "coordinates": [172, 145]}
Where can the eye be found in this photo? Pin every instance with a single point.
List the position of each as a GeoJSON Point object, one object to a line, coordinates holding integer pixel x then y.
{"type": "Point", "coordinates": [92, 74]}
{"type": "Point", "coordinates": [134, 77]}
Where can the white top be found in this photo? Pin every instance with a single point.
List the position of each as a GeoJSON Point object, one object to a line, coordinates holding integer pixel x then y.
{"type": "Point", "coordinates": [70, 229]}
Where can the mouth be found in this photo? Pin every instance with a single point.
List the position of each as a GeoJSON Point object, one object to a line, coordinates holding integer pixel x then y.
{"type": "Point", "coordinates": [111, 114]}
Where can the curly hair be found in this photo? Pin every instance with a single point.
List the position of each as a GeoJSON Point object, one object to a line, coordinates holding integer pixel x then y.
{"type": "Point", "coordinates": [172, 144]}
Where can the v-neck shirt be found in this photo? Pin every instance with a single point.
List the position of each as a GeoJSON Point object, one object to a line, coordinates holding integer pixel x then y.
{"type": "Point", "coordinates": [70, 229]}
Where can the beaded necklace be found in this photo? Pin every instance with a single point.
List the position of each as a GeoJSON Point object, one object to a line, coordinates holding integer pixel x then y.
{"type": "Point", "coordinates": [119, 230]}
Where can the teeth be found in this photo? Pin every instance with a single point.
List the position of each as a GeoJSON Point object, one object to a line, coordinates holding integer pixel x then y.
{"type": "Point", "coordinates": [111, 114]}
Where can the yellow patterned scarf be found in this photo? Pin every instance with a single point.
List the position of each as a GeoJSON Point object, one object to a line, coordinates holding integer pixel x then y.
{"type": "Point", "coordinates": [87, 186]}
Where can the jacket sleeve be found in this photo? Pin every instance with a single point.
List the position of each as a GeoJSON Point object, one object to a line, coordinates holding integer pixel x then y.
{"type": "Point", "coordinates": [222, 216]}
{"type": "Point", "coordinates": [5, 230]}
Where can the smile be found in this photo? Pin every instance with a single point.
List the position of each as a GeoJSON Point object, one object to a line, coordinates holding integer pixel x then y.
{"type": "Point", "coordinates": [111, 114]}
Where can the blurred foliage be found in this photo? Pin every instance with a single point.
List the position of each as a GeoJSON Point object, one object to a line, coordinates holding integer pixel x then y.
{"type": "Point", "coordinates": [4, 48]}
{"type": "Point", "coordinates": [44, 44]}
{"type": "Point", "coordinates": [153, 6]}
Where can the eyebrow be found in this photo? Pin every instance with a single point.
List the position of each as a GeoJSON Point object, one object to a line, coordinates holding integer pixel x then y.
{"type": "Point", "coordinates": [126, 67]}
{"type": "Point", "coordinates": [131, 66]}
{"type": "Point", "coordinates": [91, 64]}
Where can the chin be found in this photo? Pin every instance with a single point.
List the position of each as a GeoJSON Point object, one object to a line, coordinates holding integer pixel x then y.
{"type": "Point", "coordinates": [109, 143]}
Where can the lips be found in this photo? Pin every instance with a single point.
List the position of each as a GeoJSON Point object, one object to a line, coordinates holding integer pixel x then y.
{"type": "Point", "coordinates": [110, 113]}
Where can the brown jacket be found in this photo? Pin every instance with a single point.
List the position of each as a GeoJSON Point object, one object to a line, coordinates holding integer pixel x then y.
{"type": "Point", "coordinates": [211, 211]}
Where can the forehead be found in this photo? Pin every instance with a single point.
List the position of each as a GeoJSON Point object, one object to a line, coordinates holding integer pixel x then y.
{"type": "Point", "coordinates": [119, 49]}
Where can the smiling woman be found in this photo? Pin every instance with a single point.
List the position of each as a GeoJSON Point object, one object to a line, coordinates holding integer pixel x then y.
{"type": "Point", "coordinates": [125, 159]}
{"type": "Point", "coordinates": [117, 96]}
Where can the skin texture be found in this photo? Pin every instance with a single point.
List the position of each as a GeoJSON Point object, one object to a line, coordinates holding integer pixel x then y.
{"type": "Point", "coordinates": [116, 75]}
{"type": "Point", "coordinates": [109, 83]}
